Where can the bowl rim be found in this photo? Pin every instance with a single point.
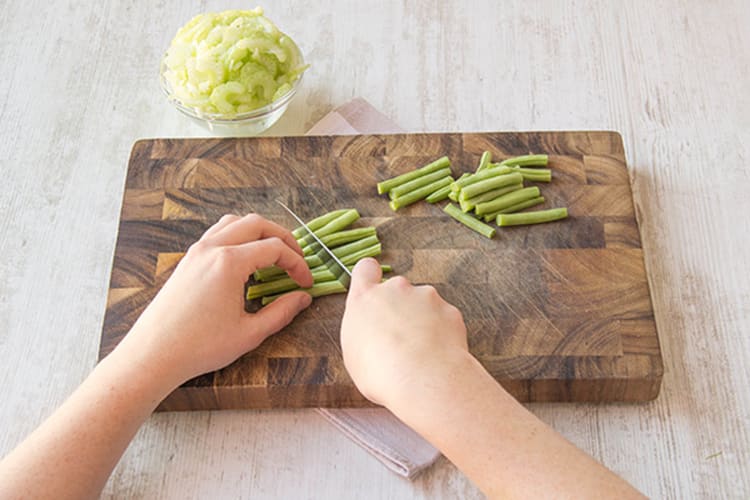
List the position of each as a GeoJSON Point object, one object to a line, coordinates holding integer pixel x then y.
{"type": "Point", "coordinates": [222, 118]}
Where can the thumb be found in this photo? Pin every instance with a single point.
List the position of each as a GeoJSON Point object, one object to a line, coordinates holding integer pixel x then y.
{"type": "Point", "coordinates": [365, 274]}
{"type": "Point", "coordinates": [276, 315]}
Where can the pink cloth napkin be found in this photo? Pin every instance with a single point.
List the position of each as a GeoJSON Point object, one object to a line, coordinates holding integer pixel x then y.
{"type": "Point", "coordinates": [376, 430]}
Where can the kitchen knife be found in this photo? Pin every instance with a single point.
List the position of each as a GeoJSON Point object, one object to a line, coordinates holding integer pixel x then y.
{"type": "Point", "coordinates": [339, 269]}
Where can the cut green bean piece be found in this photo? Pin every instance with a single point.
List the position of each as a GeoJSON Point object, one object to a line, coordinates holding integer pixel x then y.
{"type": "Point", "coordinates": [468, 205]}
{"type": "Point", "coordinates": [526, 161]}
{"type": "Point", "coordinates": [524, 204]}
{"type": "Point", "coordinates": [333, 226]}
{"type": "Point", "coordinates": [439, 195]}
{"type": "Point", "coordinates": [469, 221]}
{"type": "Point", "coordinates": [534, 174]}
{"type": "Point", "coordinates": [461, 182]}
{"type": "Point", "coordinates": [268, 273]}
{"type": "Point", "coordinates": [417, 183]}
{"type": "Point", "coordinates": [484, 161]}
{"type": "Point", "coordinates": [340, 238]}
{"type": "Point", "coordinates": [472, 190]}
{"type": "Point", "coordinates": [386, 185]}
{"type": "Point", "coordinates": [343, 253]}
{"type": "Point", "coordinates": [507, 200]}
{"type": "Point", "coordinates": [317, 223]}
{"type": "Point", "coordinates": [386, 268]}
{"type": "Point", "coordinates": [419, 194]}
{"type": "Point", "coordinates": [313, 260]}
{"type": "Point", "coordinates": [515, 208]}
{"type": "Point", "coordinates": [355, 246]}
{"type": "Point", "coordinates": [478, 177]}
{"type": "Point", "coordinates": [353, 258]}
{"type": "Point", "coordinates": [322, 288]}
{"type": "Point", "coordinates": [453, 196]}
{"type": "Point", "coordinates": [537, 217]}
{"type": "Point", "coordinates": [456, 186]}
{"type": "Point", "coordinates": [285, 284]}
{"type": "Point", "coordinates": [271, 272]}
{"type": "Point", "coordinates": [317, 290]}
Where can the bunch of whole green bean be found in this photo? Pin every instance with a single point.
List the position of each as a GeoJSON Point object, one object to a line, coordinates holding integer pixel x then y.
{"type": "Point", "coordinates": [349, 246]}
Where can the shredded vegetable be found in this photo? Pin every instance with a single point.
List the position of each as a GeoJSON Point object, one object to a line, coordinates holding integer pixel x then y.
{"type": "Point", "coordinates": [231, 62]}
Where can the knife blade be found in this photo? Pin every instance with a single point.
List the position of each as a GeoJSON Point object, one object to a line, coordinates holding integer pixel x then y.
{"type": "Point", "coordinates": [345, 273]}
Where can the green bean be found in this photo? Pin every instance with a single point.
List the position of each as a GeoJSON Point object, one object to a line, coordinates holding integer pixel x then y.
{"type": "Point", "coordinates": [355, 246]}
{"type": "Point", "coordinates": [468, 205]}
{"type": "Point", "coordinates": [322, 288]}
{"type": "Point", "coordinates": [515, 208]}
{"type": "Point", "coordinates": [507, 200]}
{"type": "Point", "coordinates": [461, 182]}
{"type": "Point", "coordinates": [317, 290]}
{"type": "Point", "coordinates": [268, 273]}
{"type": "Point", "coordinates": [534, 174]}
{"type": "Point", "coordinates": [484, 161]}
{"type": "Point", "coordinates": [453, 196]}
{"type": "Point", "coordinates": [526, 161]}
{"type": "Point", "coordinates": [469, 221]}
{"type": "Point", "coordinates": [417, 183]}
{"type": "Point", "coordinates": [353, 258]}
{"type": "Point", "coordinates": [285, 284]}
{"type": "Point", "coordinates": [343, 252]}
{"type": "Point", "coordinates": [524, 204]}
{"type": "Point", "coordinates": [313, 260]}
{"type": "Point", "coordinates": [386, 185]}
{"type": "Point", "coordinates": [439, 195]}
{"type": "Point", "coordinates": [386, 268]}
{"type": "Point", "coordinates": [317, 223]}
{"type": "Point", "coordinates": [333, 226]}
{"type": "Point", "coordinates": [537, 217]}
{"type": "Point", "coordinates": [419, 194]}
{"type": "Point", "coordinates": [472, 190]}
{"type": "Point", "coordinates": [339, 238]}
{"type": "Point", "coordinates": [487, 173]}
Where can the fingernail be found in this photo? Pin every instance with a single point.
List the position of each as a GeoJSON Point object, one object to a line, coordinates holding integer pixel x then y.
{"type": "Point", "coordinates": [305, 301]}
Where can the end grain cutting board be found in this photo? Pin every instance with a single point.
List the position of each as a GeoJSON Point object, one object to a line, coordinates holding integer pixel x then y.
{"type": "Point", "coordinates": [555, 312]}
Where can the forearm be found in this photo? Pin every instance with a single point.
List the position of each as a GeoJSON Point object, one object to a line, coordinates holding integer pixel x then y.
{"type": "Point", "coordinates": [72, 454]}
{"type": "Point", "coordinates": [496, 442]}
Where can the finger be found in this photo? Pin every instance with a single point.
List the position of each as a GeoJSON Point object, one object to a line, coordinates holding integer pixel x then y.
{"type": "Point", "coordinates": [275, 316]}
{"type": "Point", "coordinates": [272, 251]}
{"type": "Point", "coordinates": [365, 274]}
{"type": "Point", "coordinates": [221, 224]}
{"type": "Point", "coordinates": [253, 227]}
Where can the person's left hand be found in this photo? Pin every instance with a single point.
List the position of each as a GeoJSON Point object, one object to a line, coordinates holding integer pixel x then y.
{"type": "Point", "coordinates": [197, 322]}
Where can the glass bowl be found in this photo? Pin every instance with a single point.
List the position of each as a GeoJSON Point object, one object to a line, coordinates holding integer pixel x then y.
{"type": "Point", "coordinates": [238, 125]}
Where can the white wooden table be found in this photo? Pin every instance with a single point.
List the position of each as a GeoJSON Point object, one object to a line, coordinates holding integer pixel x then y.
{"type": "Point", "coordinates": [78, 86]}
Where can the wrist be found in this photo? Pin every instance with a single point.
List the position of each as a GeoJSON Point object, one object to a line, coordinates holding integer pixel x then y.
{"type": "Point", "coordinates": [143, 366]}
{"type": "Point", "coordinates": [433, 383]}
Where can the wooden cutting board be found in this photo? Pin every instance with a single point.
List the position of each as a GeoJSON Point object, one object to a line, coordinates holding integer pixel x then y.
{"type": "Point", "coordinates": [555, 312]}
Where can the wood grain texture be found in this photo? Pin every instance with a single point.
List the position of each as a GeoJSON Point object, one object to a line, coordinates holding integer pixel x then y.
{"type": "Point", "coordinates": [670, 75]}
{"type": "Point", "coordinates": [555, 312]}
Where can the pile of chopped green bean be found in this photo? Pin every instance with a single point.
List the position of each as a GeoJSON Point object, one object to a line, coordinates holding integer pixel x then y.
{"type": "Point", "coordinates": [494, 192]}
{"type": "Point", "coordinates": [349, 246]}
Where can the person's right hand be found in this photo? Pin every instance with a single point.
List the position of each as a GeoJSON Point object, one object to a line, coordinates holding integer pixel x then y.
{"type": "Point", "coordinates": [396, 337]}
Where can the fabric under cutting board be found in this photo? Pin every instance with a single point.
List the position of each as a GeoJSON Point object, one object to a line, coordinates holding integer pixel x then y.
{"type": "Point", "coordinates": [376, 430]}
